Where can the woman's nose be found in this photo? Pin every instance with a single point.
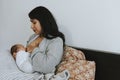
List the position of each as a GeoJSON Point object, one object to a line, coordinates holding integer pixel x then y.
{"type": "Point", "coordinates": [32, 26]}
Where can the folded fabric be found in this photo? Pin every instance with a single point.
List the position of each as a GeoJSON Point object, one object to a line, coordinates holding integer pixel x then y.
{"type": "Point", "coordinates": [64, 75]}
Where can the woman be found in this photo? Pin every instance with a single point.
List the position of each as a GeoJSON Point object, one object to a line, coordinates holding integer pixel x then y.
{"type": "Point", "coordinates": [47, 44]}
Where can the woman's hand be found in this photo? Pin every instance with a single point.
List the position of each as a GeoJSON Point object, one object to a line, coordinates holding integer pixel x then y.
{"type": "Point", "coordinates": [29, 48]}
{"type": "Point", "coordinates": [34, 44]}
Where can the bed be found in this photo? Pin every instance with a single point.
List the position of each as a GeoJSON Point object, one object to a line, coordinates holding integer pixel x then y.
{"type": "Point", "coordinates": [9, 70]}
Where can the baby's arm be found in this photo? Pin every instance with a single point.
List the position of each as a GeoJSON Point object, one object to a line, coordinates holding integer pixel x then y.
{"type": "Point", "coordinates": [23, 62]}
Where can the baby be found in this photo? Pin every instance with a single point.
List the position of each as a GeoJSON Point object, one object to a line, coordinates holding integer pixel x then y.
{"type": "Point", "coordinates": [22, 58]}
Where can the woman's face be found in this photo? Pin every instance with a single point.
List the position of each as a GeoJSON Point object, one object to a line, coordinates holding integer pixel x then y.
{"type": "Point", "coordinates": [36, 26]}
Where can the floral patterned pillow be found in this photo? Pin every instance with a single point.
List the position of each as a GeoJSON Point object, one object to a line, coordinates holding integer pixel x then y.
{"type": "Point", "coordinates": [73, 54]}
{"type": "Point", "coordinates": [79, 70]}
{"type": "Point", "coordinates": [74, 61]}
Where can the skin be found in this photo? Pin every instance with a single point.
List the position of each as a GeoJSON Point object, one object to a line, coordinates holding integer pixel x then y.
{"type": "Point", "coordinates": [36, 27]}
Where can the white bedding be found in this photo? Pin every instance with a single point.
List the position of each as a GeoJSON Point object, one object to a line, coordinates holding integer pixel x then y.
{"type": "Point", "coordinates": [9, 70]}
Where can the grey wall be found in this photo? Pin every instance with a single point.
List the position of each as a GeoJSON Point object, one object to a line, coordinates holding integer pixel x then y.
{"type": "Point", "coordinates": [92, 24]}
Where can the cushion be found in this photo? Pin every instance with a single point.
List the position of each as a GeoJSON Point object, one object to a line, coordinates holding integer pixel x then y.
{"type": "Point", "coordinates": [74, 61]}
{"type": "Point", "coordinates": [10, 71]}
{"type": "Point", "coordinates": [79, 70]}
{"type": "Point", "coordinates": [72, 54]}
{"type": "Point", "coordinates": [7, 61]}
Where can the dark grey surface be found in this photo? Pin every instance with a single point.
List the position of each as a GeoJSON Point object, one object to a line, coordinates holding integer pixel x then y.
{"type": "Point", "coordinates": [107, 64]}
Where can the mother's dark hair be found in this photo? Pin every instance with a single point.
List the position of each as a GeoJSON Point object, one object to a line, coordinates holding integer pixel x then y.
{"type": "Point", "coordinates": [49, 26]}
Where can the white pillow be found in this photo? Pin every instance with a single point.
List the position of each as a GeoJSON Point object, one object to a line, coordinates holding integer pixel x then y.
{"type": "Point", "coordinates": [9, 69]}
{"type": "Point", "coordinates": [7, 61]}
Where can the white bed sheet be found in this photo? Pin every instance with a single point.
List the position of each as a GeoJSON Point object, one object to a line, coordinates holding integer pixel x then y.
{"type": "Point", "coordinates": [9, 70]}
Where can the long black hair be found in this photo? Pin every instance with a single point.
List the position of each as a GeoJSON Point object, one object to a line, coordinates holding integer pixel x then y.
{"type": "Point", "coordinates": [49, 26]}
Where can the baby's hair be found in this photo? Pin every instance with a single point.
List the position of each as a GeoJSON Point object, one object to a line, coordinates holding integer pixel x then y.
{"type": "Point", "coordinates": [14, 48]}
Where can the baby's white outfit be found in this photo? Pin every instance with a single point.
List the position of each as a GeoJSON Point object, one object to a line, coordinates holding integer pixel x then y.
{"type": "Point", "coordinates": [23, 61]}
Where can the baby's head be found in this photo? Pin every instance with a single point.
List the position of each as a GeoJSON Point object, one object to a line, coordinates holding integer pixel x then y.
{"type": "Point", "coordinates": [15, 48]}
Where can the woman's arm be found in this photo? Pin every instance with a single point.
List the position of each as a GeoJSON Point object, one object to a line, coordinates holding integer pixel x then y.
{"type": "Point", "coordinates": [46, 60]}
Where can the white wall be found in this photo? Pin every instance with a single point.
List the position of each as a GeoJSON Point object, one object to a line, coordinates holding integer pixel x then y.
{"type": "Point", "coordinates": [92, 24]}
